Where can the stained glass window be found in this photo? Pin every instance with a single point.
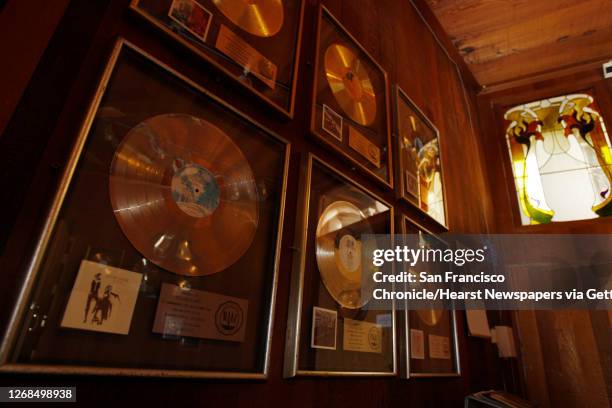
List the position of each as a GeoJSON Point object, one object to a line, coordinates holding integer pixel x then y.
{"type": "Point", "coordinates": [561, 159]}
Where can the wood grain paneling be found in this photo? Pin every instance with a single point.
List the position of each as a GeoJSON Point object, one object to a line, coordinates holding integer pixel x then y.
{"type": "Point", "coordinates": [572, 360]}
{"type": "Point", "coordinates": [565, 354]}
{"type": "Point", "coordinates": [29, 38]}
{"type": "Point", "coordinates": [401, 41]}
{"type": "Point", "coordinates": [503, 41]}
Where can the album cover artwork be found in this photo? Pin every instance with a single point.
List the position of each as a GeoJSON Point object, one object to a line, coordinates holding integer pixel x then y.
{"type": "Point", "coordinates": [102, 299]}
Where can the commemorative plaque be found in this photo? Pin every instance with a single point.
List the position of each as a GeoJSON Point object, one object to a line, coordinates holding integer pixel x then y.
{"type": "Point", "coordinates": [160, 251]}
{"type": "Point", "coordinates": [257, 43]}
{"type": "Point", "coordinates": [330, 329]}
{"type": "Point", "coordinates": [419, 160]}
{"type": "Point", "coordinates": [430, 335]}
{"type": "Point", "coordinates": [350, 101]}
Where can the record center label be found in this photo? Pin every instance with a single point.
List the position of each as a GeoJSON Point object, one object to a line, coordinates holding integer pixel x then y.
{"type": "Point", "coordinates": [195, 190]}
{"type": "Point", "coordinates": [349, 250]}
{"type": "Point", "coordinates": [196, 313]}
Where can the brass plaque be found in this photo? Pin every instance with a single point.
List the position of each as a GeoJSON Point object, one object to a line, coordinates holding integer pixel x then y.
{"type": "Point", "coordinates": [364, 146]}
{"type": "Point", "coordinates": [246, 56]}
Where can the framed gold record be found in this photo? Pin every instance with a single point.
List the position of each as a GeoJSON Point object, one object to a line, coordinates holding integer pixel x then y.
{"type": "Point", "coordinates": [256, 43]}
{"type": "Point", "coordinates": [430, 339]}
{"type": "Point", "coordinates": [420, 175]}
{"type": "Point", "coordinates": [160, 253]}
{"type": "Point", "coordinates": [331, 332]}
{"type": "Point", "coordinates": [350, 104]}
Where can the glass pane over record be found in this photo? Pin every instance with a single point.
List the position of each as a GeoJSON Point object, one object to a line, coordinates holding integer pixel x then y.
{"type": "Point", "coordinates": [338, 334]}
{"type": "Point", "coordinates": [163, 252]}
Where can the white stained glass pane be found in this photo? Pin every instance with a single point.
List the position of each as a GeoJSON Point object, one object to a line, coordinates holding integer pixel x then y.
{"type": "Point", "coordinates": [570, 194]}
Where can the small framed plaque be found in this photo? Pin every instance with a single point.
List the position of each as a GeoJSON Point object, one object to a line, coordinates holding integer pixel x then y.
{"type": "Point", "coordinates": [350, 88]}
{"type": "Point", "coordinates": [327, 301]}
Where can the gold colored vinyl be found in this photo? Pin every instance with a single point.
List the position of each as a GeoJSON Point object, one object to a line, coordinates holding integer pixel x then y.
{"type": "Point", "coordinates": [263, 18]}
{"type": "Point", "coordinates": [338, 251]}
{"type": "Point", "coordinates": [430, 317]}
{"type": "Point", "coordinates": [350, 84]}
{"type": "Point", "coordinates": [184, 194]}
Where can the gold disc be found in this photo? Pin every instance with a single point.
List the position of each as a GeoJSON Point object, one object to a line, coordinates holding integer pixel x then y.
{"type": "Point", "coordinates": [338, 250]}
{"type": "Point", "coordinates": [349, 82]}
{"type": "Point", "coordinates": [430, 317]}
{"type": "Point", "coordinates": [184, 194]}
{"type": "Point", "coordinates": [263, 18]}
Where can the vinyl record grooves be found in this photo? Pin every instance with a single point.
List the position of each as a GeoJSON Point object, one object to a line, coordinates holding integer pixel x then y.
{"type": "Point", "coordinates": [184, 194]}
{"type": "Point", "coordinates": [430, 317]}
{"type": "Point", "coordinates": [338, 250]}
{"type": "Point", "coordinates": [350, 84]}
{"type": "Point", "coordinates": [263, 18]}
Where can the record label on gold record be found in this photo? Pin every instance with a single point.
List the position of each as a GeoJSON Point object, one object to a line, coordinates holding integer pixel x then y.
{"type": "Point", "coordinates": [195, 190]}
{"type": "Point", "coordinates": [350, 84]}
{"type": "Point", "coordinates": [349, 251]}
{"type": "Point", "coordinates": [263, 18]}
{"type": "Point", "coordinates": [339, 249]}
{"type": "Point", "coordinates": [184, 194]}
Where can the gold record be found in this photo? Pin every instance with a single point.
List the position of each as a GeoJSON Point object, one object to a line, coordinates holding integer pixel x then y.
{"type": "Point", "coordinates": [430, 317]}
{"type": "Point", "coordinates": [349, 82]}
{"type": "Point", "coordinates": [338, 250]}
{"type": "Point", "coordinates": [184, 194]}
{"type": "Point", "coordinates": [263, 18]}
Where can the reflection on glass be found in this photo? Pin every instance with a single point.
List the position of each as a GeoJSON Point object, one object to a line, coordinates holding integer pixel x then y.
{"type": "Point", "coordinates": [420, 160]}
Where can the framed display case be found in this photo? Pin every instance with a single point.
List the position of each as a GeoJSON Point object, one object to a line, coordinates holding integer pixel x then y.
{"type": "Point", "coordinates": [255, 43]}
{"type": "Point", "coordinates": [350, 100]}
{"type": "Point", "coordinates": [330, 332]}
{"type": "Point", "coordinates": [430, 347]}
{"type": "Point", "coordinates": [159, 255]}
{"type": "Point", "coordinates": [419, 160]}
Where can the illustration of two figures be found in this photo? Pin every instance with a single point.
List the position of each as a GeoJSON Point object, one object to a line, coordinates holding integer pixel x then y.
{"type": "Point", "coordinates": [102, 305]}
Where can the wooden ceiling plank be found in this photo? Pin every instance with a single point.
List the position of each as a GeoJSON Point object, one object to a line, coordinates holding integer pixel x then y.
{"type": "Point", "coordinates": [583, 19]}
{"type": "Point", "coordinates": [502, 40]}
{"type": "Point", "coordinates": [547, 57]}
{"type": "Point", "coordinates": [465, 17]}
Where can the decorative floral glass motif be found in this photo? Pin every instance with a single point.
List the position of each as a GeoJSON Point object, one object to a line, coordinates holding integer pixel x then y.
{"type": "Point", "coordinates": [561, 159]}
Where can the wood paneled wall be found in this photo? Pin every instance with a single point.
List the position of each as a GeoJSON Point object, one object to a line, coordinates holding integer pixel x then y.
{"type": "Point", "coordinates": [566, 354]}
{"type": "Point", "coordinates": [40, 133]}
{"type": "Point", "coordinates": [23, 52]}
